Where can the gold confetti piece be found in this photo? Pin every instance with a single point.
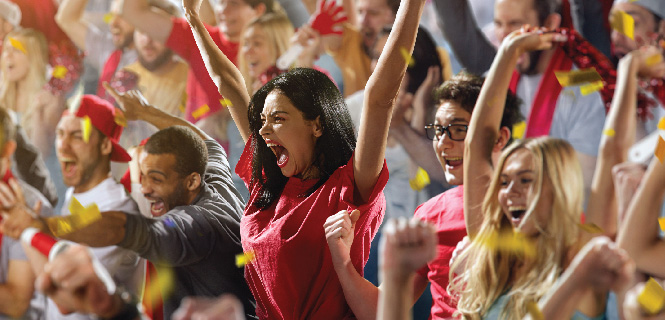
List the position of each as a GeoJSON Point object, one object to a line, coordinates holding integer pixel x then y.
{"type": "Point", "coordinates": [407, 57]}
{"type": "Point", "coordinates": [578, 77]}
{"type": "Point", "coordinates": [590, 88]}
{"type": "Point", "coordinates": [660, 149]}
{"type": "Point", "coordinates": [661, 223]}
{"type": "Point", "coordinates": [59, 72]}
{"type": "Point", "coordinates": [420, 181]}
{"type": "Point", "coordinates": [623, 23]}
{"type": "Point", "coordinates": [162, 283]}
{"type": "Point", "coordinates": [609, 132]}
{"type": "Point", "coordinates": [654, 59]}
{"type": "Point", "coordinates": [590, 228]}
{"type": "Point", "coordinates": [534, 311]}
{"type": "Point", "coordinates": [18, 45]}
{"type": "Point", "coordinates": [119, 118]}
{"type": "Point", "coordinates": [518, 130]}
{"type": "Point", "coordinates": [661, 124]}
{"type": "Point", "coordinates": [244, 258]}
{"type": "Point", "coordinates": [225, 102]}
{"type": "Point", "coordinates": [108, 17]}
{"type": "Point", "coordinates": [512, 242]}
{"type": "Point", "coordinates": [74, 102]}
{"type": "Point", "coordinates": [201, 111]}
{"type": "Point", "coordinates": [80, 217]}
{"type": "Point", "coordinates": [86, 128]}
{"type": "Point", "coordinates": [652, 297]}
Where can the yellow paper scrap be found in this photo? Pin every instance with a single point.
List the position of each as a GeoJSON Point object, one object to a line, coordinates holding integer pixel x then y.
{"type": "Point", "coordinates": [201, 111]}
{"type": "Point", "coordinates": [578, 77]}
{"type": "Point", "coordinates": [407, 57]}
{"type": "Point", "coordinates": [86, 127]}
{"type": "Point", "coordinates": [80, 217]}
{"type": "Point", "coordinates": [661, 124]}
{"type": "Point", "coordinates": [225, 102]}
{"type": "Point", "coordinates": [244, 258]}
{"type": "Point", "coordinates": [512, 242]}
{"type": "Point", "coordinates": [119, 118]}
{"type": "Point", "coordinates": [420, 181]}
{"type": "Point", "coordinates": [590, 228]}
{"type": "Point", "coordinates": [590, 88]}
{"type": "Point", "coordinates": [108, 17]}
{"type": "Point", "coordinates": [74, 102]}
{"type": "Point", "coordinates": [654, 59]}
{"type": "Point", "coordinates": [534, 311]}
{"type": "Point", "coordinates": [161, 284]}
{"type": "Point", "coordinates": [660, 149]}
{"type": "Point", "coordinates": [609, 132]}
{"type": "Point", "coordinates": [661, 223]}
{"type": "Point", "coordinates": [623, 23]}
{"type": "Point", "coordinates": [59, 72]}
{"type": "Point", "coordinates": [518, 130]}
{"type": "Point", "coordinates": [18, 45]}
{"type": "Point", "coordinates": [652, 297]}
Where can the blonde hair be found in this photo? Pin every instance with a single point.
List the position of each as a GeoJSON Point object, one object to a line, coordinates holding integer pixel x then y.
{"type": "Point", "coordinates": [36, 49]}
{"type": "Point", "coordinates": [492, 272]}
{"type": "Point", "coordinates": [278, 30]}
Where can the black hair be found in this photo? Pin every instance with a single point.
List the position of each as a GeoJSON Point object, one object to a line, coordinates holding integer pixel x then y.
{"type": "Point", "coordinates": [315, 95]}
{"type": "Point", "coordinates": [544, 8]}
{"type": "Point", "coordinates": [191, 154]}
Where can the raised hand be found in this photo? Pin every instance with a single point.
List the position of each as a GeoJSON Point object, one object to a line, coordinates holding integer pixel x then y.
{"type": "Point", "coordinates": [132, 103]}
{"type": "Point", "coordinates": [603, 266]}
{"type": "Point", "coordinates": [406, 246]}
{"type": "Point", "coordinates": [327, 18]}
{"type": "Point", "coordinates": [339, 230]}
{"type": "Point", "coordinates": [226, 307]}
{"type": "Point", "coordinates": [16, 215]}
{"type": "Point", "coordinates": [533, 39]}
{"type": "Point", "coordinates": [650, 62]}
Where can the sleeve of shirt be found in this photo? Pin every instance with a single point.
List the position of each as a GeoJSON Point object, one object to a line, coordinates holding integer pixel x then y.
{"type": "Point", "coordinates": [580, 120]}
{"type": "Point", "coordinates": [14, 248]}
{"type": "Point", "coordinates": [98, 47]}
{"type": "Point", "coordinates": [182, 42]}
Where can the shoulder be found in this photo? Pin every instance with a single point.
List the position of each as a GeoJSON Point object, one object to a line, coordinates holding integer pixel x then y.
{"type": "Point", "coordinates": [114, 197]}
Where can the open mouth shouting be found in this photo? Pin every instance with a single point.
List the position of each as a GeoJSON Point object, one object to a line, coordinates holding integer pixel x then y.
{"type": "Point", "coordinates": [68, 166]}
{"type": "Point", "coordinates": [453, 162]}
{"type": "Point", "coordinates": [157, 206]}
{"type": "Point", "coordinates": [280, 152]}
{"type": "Point", "coordinates": [516, 214]}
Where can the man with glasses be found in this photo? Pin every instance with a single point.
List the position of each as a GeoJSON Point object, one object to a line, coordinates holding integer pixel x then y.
{"type": "Point", "coordinates": [457, 98]}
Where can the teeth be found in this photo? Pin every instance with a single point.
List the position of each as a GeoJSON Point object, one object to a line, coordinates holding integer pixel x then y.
{"type": "Point", "coordinates": [516, 208]}
{"type": "Point", "coordinates": [270, 145]}
{"type": "Point", "coordinates": [453, 158]}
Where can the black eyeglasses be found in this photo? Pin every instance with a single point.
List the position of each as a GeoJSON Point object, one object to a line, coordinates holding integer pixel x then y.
{"type": "Point", "coordinates": [456, 132]}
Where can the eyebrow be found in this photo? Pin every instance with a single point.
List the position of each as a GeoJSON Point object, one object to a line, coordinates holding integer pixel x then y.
{"type": "Point", "coordinates": [274, 113]}
{"type": "Point", "coordinates": [157, 172]}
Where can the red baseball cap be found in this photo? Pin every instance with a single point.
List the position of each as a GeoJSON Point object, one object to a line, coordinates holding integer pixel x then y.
{"type": "Point", "coordinates": [102, 117]}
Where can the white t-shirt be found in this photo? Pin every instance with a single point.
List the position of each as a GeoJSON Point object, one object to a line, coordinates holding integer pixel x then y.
{"type": "Point", "coordinates": [125, 266]}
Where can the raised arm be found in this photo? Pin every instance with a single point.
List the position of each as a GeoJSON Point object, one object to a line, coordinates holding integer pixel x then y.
{"type": "Point", "coordinates": [619, 136]}
{"type": "Point", "coordinates": [380, 95]}
{"type": "Point", "coordinates": [224, 74]}
{"type": "Point", "coordinates": [155, 24]}
{"type": "Point", "coordinates": [486, 120]}
{"type": "Point", "coordinates": [70, 19]}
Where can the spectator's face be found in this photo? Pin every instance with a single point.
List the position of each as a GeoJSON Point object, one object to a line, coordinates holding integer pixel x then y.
{"type": "Point", "coordinates": [122, 32]}
{"type": "Point", "coordinates": [161, 185]}
{"type": "Point", "coordinates": [517, 192]}
{"type": "Point", "coordinates": [78, 160]}
{"type": "Point", "coordinates": [373, 15]}
{"type": "Point", "coordinates": [645, 29]}
{"type": "Point", "coordinates": [510, 15]}
{"type": "Point", "coordinates": [14, 64]}
{"type": "Point", "coordinates": [259, 54]}
{"type": "Point", "coordinates": [450, 153]}
{"type": "Point", "coordinates": [233, 16]}
{"type": "Point", "coordinates": [152, 54]}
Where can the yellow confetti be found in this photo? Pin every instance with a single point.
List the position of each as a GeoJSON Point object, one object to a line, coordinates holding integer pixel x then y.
{"type": "Point", "coordinates": [18, 45]}
{"type": "Point", "coordinates": [80, 217]}
{"type": "Point", "coordinates": [623, 23]}
{"type": "Point", "coordinates": [661, 124]}
{"type": "Point", "coordinates": [534, 311]}
{"type": "Point", "coordinates": [661, 223]}
{"type": "Point", "coordinates": [225, 102]}
{"type": "Point", "coordinates": [660, 149]}
{"type": "Point", "coordinates": [609, 132]}
{"type": "Point", "coordinates": [590, 228]}
{"type": "Point", "coordinates": [244, 258]}
{"type": "Point", "coordinates": [578, 77]}
{"type": "Point", "coordinates": [201, 111]}
{"type": "Point", "coordinates": [119, 118]}
{"type": "Point", "coordinates": [59, 72]}
{"type": "Point", "coordinates": [590, 88]}
{"type": "Point", "coordinates": [407, 57]}
{"type": "Point", "coordinates": [108, 17]}
{"type": "Point", "coordinates": [654, 59]}
{"type": "Point", "coordinates": [518, 130]}
{"type": "Point", "coordinates": [163, 284]}
{"type": "Point", "coordinates": [74, 102]}
{"type": "Point", "coordinates": [86, 128]}
{"type": "Point", "coordinates": [420, 181]}
{"type": "Point", "coordinates": [511, 242]}
{"type": "Point", "coordinates": [652, 297]}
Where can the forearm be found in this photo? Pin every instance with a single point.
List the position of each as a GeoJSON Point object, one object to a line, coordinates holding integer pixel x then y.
{"type": "Point", "coordinates": [162, 120]}
{"type": "Point", "coordinates": [16, 291]}
{"type": "Point", "coordinates": [562, 300]}
{"type": "Point", "coordinates": [207, 13]}
{"type": "Point", "coordinates": [70, 19]}
{"type": "Point", "coordinates": [13, 303]}
{"type": "Point", "coordinates": [157, 25]}
{"type": "Point", "coordinates": [396, 297]}
{"type": "Point", "coordinates": [361, 295]}
{"type": "Point", "coordinates": [419, 149]}
{"type": "Point", "coordinates": [224, 74]}
{"type": "Point", "coordinates": [107, 231]}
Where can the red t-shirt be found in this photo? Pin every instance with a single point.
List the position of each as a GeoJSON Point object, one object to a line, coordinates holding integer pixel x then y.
{"type": "Point", "coordinates": [292, 276]}
{"type": "Point", "coordinates": [200, 88]}
{"type": "Point", "coordinates": [446, 213]}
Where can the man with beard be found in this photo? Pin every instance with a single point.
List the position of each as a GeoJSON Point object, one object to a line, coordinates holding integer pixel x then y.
{"type": "Point", "coordinates": [196, 209]}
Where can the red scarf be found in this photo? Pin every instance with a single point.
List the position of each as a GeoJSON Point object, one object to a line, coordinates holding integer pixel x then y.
{"type": "Point", "coordinates": [110, 66]}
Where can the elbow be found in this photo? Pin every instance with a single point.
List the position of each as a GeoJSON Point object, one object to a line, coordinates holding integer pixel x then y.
{"type": "Point", "coordinates": [19, 307]}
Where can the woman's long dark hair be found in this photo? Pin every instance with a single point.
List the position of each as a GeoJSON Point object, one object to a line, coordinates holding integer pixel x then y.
{"type": "Point", "coordinates": [315, 95]}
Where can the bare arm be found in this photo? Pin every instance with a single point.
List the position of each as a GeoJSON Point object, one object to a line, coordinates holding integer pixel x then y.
{"type": "Point", "coordinates": [224, 74]}
{"type": "Point", "coordinates": [380, 95]}
{"type": "Point", "coordinates": [208, 13]}
{"type": "Point", "coordinates": [16, 292]}
{"type": "Point", "coordinates": [155, 24]}
{"type": "Point", "coordinates": [419, 149]}
{"type": "Point", "coordinates": [70, 19]}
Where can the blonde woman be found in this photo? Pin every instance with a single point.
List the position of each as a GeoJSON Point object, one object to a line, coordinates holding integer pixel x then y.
{"type": "Point", "coordinates": [534, 191]}
{"type": "Point", "coordinates": [23, 66]}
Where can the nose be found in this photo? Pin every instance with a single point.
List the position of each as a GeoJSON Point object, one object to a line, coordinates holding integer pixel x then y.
{"type": "Point", "coordinates": [502, 32]}
{"type": "Point", "coordinates": [444, 141]}
{"type": "Point", "coordinates": [266, 128]}
{"type": "Point", "coordinates": [145, 187]}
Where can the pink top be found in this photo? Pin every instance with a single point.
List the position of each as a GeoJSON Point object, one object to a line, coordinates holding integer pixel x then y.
{"type": "Point", "coordinates": [292, 276]}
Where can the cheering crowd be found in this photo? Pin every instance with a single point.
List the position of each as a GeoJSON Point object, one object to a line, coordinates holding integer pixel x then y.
{"type": "Point", "coordinates": [322, 159]}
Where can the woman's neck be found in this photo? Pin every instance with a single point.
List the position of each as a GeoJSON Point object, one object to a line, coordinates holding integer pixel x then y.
{"type": "Point", "coordinates": [22, 96]}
